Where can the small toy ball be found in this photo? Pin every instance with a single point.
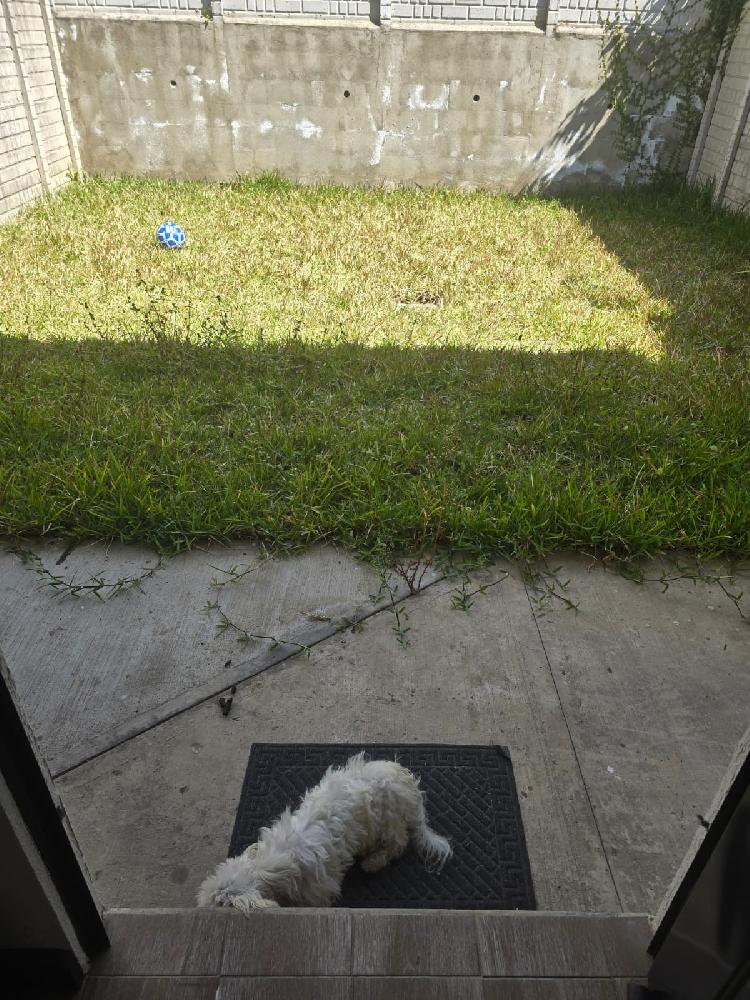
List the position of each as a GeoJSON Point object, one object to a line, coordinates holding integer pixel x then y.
{"type": "Point", "coordinates": [169, 234]}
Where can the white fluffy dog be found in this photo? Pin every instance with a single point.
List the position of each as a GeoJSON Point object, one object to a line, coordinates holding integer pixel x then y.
{"type": "Point", "coordinates": [366, 809]}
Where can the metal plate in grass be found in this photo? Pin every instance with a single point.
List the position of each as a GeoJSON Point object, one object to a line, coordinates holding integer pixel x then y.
{"type": "Point", "coordinates": [471, 798]}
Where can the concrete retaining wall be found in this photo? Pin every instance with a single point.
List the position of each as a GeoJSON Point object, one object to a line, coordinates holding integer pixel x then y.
{"type": "Point", "coordinates": [346, 101]}
{"type": "Point", "coordinates": [483, 93]}
{"type": "Point", "coordinates": [36, 143]}
{"type": "Point", "coordinates": [722, 154]}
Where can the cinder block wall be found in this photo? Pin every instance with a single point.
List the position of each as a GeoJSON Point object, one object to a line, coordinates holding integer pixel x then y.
{"type": "Point", "coordinates": [37, 147]}
{"type": "Point", "coordinates": [722, 154]}
{"type": "Point", "coordinates": [531, 110]}
{"type": "Point", "coordinates": [474, 105]}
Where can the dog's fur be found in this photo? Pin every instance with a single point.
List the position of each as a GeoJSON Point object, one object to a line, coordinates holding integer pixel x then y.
{"type": "Point", "coordinates": [368, 810]}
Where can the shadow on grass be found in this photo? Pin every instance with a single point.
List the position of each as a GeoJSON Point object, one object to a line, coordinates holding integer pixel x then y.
{"type": "Point", "coordinates": [379, 449]}
{"type": "Point", "coordinates": [691, 256]}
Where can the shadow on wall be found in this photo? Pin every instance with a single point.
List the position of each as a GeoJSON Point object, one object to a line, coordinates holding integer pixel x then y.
{"type": "Point", "coordinates": [580, 151]}
{"type": "Point", "coordinates": [475, 108]}
{"type": "Point", "coordinates": [657, 79]}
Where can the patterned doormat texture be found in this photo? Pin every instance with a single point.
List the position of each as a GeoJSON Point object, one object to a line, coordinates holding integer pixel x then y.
{"type": "Point", "coordinates": [471, 798]}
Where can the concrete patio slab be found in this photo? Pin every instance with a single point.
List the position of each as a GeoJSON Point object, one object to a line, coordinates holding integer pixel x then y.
{"type": "Point", "coordinates": [621, 716]}
{"type": "Point", "coordinates": [156, 813]}
{"type": "Point", "coordinates": [655, 687]}
{"type": "Point", "coordinates": [93, 670]}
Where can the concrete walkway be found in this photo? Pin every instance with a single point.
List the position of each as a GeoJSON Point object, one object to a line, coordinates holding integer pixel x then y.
{"type": "Point", "coordinates": [143, 639]}
{"type": "Point", "coordinates": [620, 716]}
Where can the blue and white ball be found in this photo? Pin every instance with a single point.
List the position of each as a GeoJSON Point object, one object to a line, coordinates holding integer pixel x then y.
{"type": "Point", "coordinates": [169, 234]}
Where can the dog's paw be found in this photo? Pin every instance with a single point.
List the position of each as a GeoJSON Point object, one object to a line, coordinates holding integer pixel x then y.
{"type": "Point", "coordinates": [266, 904]}
{"type": "Point", "coordinates": [374, 862]}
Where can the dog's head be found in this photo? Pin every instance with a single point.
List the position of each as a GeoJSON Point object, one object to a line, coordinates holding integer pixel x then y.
{"type": "Point", "coordinates": [237, 882]}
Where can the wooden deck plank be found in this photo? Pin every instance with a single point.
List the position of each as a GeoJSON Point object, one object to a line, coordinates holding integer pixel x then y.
{"type": "Point", "coordinates": [163, 943]}
{"type": "Point", "coordinates": [554, 989]}
{"type": "Point", "coordinates": [417, 988]}
{"type": "Point", "coordinates": [562, 945]}
{"type": "Point", "coordinates": [289, 943]}
{"type": "Point", "coordinates": [433, 943]}
{"type": "Point", "coordinates": [286, 988]}
{"type": "Point", "coordinates": [151, 988]}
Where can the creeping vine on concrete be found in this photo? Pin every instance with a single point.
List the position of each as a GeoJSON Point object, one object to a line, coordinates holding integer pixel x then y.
{"type": "Point", "coordinates": [658, 64]}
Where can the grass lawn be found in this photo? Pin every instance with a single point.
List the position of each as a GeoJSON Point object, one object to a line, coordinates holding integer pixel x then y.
{"type": "Point", "coordinates": [377, 369]}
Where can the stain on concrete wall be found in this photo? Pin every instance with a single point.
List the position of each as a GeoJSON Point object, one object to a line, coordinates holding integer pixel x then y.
{"type": "Point", "coordinates": [347, 102]}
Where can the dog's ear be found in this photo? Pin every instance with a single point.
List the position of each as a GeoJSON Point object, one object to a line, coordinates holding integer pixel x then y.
{"type": "Point", "coordinates": [251, 851]}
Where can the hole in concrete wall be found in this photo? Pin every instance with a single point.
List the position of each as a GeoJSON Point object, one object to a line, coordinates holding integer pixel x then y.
{"type": "Point", "coordinates": [475, 97]}
{"type": "Point", "coordinates": [346, 93]}
{"type": "Point", "coordinates": [172, 83]}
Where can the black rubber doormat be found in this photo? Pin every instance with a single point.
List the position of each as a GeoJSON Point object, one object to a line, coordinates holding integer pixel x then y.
{"type": "Point", "coordinates": [471, 798]}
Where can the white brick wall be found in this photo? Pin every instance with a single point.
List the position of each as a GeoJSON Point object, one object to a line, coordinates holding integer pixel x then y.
{"type": "Point", "coordinates": [575, 11]}
{"type": "Point", "coordinates": [256, 8]}
{"type": "Point", "coordinates": [725, 156]}
{"type": "Point", "coordinates": [35, 138]}
{"type": "Point", "coordinates": [588, 11]}
{"type": "Point", "coordinates": [151, 6]}
{"type": "Point", "coordinates": [466, 10]}
{"type": "Point", "coordinates": [593, 11]}
{"type": "Point", "coordinates": [147, 6]}
{"type": "Point", "coordinates": [20, 181]}
{"type": "Point", "coordinates": [737, 194]}
{"type": "Point", "coordinates": [300, 8]}
{"type": "Point", "coordinates": [460, 10]}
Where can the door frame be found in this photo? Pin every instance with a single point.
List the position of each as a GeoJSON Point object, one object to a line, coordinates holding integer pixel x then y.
{"type": "Point", "coordinates": [683, 947]}
{"type": "Point", "coordinates": [36, 814]}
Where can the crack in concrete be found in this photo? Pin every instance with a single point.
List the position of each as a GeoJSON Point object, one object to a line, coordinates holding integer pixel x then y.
{"type": "Point", "coordinates": [194, 697]}
{"type": "Point", "coordinates": [573, 747]}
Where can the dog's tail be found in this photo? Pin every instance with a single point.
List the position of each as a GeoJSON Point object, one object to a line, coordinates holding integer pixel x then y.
{"type": "Point", "coordinates": [432, 847]}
